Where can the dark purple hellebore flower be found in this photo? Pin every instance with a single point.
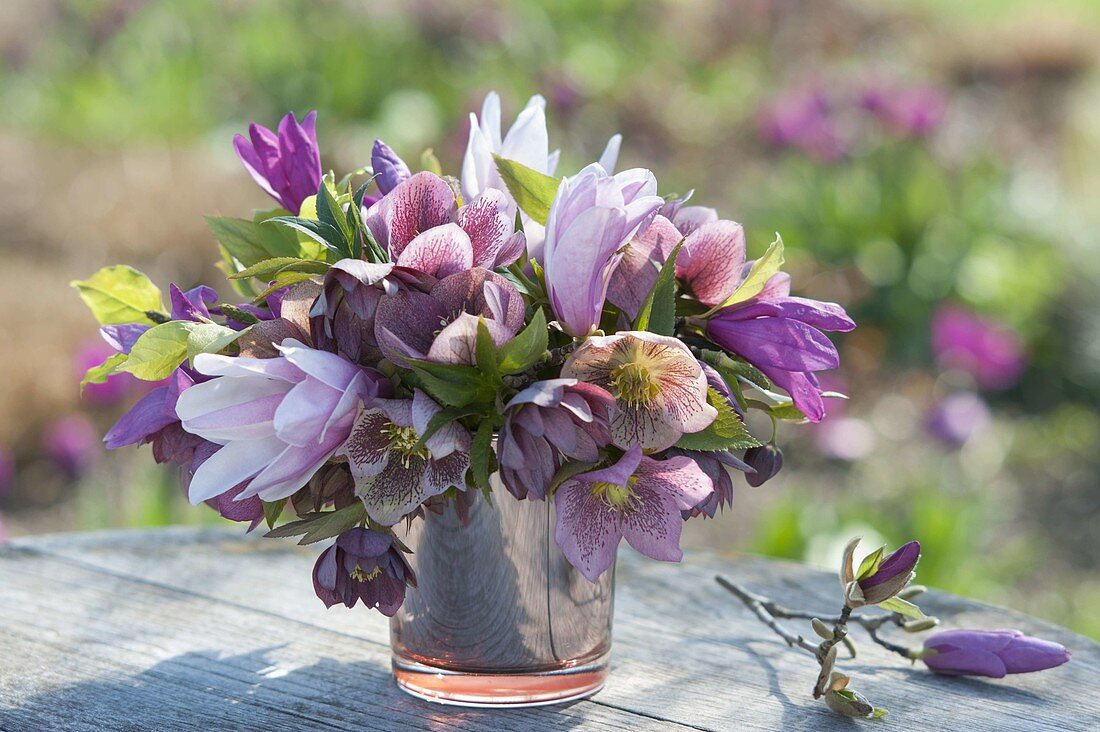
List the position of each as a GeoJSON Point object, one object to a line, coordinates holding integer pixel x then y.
{"type": "Point", "coordinates": [766, 461]}
{"type": "Point", "coordinates": [992, 653]}
{"type": "Point", "coordinates": [363, 565]}
{"type": "Point", "coordinates": [287, 164]}
{"type": "Point", "coordinates": [782, 336]}
{"type": "Point", "coordinates": [389, 169]}
{"type": "Point", "coordinates": [342, 317]}
{"type": "Point", "coordinates": [546, 424]}
{"type": "Point", "coordinates": [717, 466]}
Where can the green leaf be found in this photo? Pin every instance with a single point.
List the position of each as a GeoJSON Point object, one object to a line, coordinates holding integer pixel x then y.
{"type": "Point", "coordinates": [456, 385]}
{"type": "Point", "coordinates": [527, 348]}
{"type": "Point", "coordinates": [726, 432]}
{"type": "Point", "coordinates": [658, 311]}
{"type": "Point", "coordinates": [210, 338]}
{"type": "Point", "coordinates": [322, 525]}
{"type": "Point", "coordinates": [99, 374]}
{"type": "Point", "coordinates": [439, 420]}
{"type": "Point", "coordinates": [268, 268]}
{"type": "Point", "coordinates": [481, 450]}
{"type": "Point", "coordinates": [904, 607]}
{"type": "Point", "coordinates": [251, 242]}
{"type": "Point", "coordinates": [533, 191]}
{"type": "Point", "coordinates": [430, 163]}
{"type": "Point", "coordinates": [485, 353]}
{"type": "Point", "coordinates": [272, 511]}
{"type": "Point", "coordinates": [280, 281]}
{"type": "Point", "coordinates": [120, 294]}
{"type": "Point", "coordinates": [787, 412]}
{"type": "Point", "coordinates": [329, 212]}
{"type": "Point", "coordinates": [325, 234]}
{"type": "Point", "coordinates": [762, 270]}
{"type": "Point", "coordinates": [870, 563]}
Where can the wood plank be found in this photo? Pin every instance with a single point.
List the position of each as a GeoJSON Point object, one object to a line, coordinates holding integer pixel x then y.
{"type": "Point", "coordinates": [684, 654]}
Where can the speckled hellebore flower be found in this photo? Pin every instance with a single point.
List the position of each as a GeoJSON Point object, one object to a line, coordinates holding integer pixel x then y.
{"type": "Point", "coordinates": [593, 215]}
{"type": "Point", "coordinates": [287, 164]}
{"type": "Point", "coordinates": [546, 424]}
{"type": "Point", "coordinates": [637, 498]}
{"type": "Point", "coordinates": [659, 387]}
{"type": "Point", "coordinates": [992, 653]}
{"type": "Point", "coordinates": [420, 225]}
{"type": "Point", "coordinates": [278, 419]}
{"type": "Point", "coordinates": [363, 566]}
{"type": "Point", "coordinates": [393, 475]}
{"type": "Point", "coordinates": [717, 466]}
{"type": "Point", "coordinates": [883, 577]}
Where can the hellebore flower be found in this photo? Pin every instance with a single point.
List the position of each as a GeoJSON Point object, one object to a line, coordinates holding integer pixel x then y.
{"type": "Point", "coordinates": [343, 315]}
{"type": "Point", "coordinates": [546, 424]}
{"type": "Point", "coordinates": [419, 224]}
{"type": "Point", "coordinates": [766, 461]}
{"type": "Point", "coordinates": [287, 165]}
{"type": "Point", "coordinates": [363, 565]}
{"type": "Point", "coordinates": [717, 467]}
{"type": "Point", "coordinates": [878, 578]}
{"type": "Point", "coordinates": [636, 274]}
{"type": "Point", "coordinates": [992, 653]}
{"type": "Point", "coordinates": [637, 498]}
{"type": "Point", "coordinates": [278, 419]}
{"type": "Point", "coordinates": [782, 336]}
{"type": "Point", "coordinates": [441, 325]}
{"type": "Point", "coordinates": [659, 387]}
{"type": "Point", "coordinates": [593, 215]}
{"type": "Point", "coordinates": [389, 169]}
{"type": "Point", "coordinates": [394, 473]}
{"type": "Point", "coordinates": [982, 347]}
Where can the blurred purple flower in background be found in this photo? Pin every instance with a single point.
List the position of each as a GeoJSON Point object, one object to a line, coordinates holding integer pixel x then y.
{"type": "Point", "coordinates": [804, 119]}
{"type": "Point", "coordinates": [958, 417]}
{"type": "Point", "coordinates": [916, 111]}
{"type": "Point", "coordinates": [983, 347]}
{"type": "Point", "coordinates": [991, 653]}
{"type": "Point", "coordinates": [116, 388]}
{"type": "Point", "coordinates": [72, 443]}
{"type": "Point", "coordinates": [287, 164]}
{"type": "Point", "coordinates": [7, 470]}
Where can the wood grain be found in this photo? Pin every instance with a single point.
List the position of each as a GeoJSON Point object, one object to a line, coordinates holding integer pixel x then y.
{"type": "Point", "coordinates": [205, 629]}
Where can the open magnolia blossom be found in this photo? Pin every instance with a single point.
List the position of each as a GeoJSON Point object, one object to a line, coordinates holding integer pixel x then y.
{"type": "Point", "coordinates": [408, 339]}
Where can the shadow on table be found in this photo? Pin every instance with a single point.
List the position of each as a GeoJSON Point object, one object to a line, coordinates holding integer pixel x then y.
{"type": "Point", "coordinates": [200, 690]}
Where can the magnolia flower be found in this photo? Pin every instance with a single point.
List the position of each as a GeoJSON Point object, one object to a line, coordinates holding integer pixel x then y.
{"type": "Point", "coordinates": [343, 315]}
{"type": "Point", "coordinates": [526, 142]}
{"type": "Point", "coordinates": [393, 472]}
{"type": "Point", "coordinates": [389, 169]}
{"type": "Point", "coordinates": [286, 165]}
{"type": "Point", "coordinates": [363, 565]}
{"type": "Point", "coordinates": [278, 420]}
{"type": "Point", "coordinates": [441, 325]}
{"type": "Point", "coordinates": [593, 215]}
{"type": "Point", "coordinates": [782, 336]}
{"type": "Point", "coordinates": [546, 424]}
{"type": "Point", "coordinates": [992, 653]}
{"type": "Point", "coordinates": [637, 498]}
{"type": "Point", "coordinates": [882, 579]}
{"type": "Point", "coordinates": [419, 224]}
{"type": "Point", "coordinates": [659, 387]}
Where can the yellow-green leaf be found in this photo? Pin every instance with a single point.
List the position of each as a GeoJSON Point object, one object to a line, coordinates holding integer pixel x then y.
{"type": "Point", "coordinates": [533, 191]}
{"type": "Point", "coordinates": [762, 270]}
{"type": "Point", "coordinates": [120, 294]}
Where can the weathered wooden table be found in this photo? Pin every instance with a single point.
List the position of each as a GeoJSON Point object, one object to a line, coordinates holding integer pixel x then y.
{"type": "Point", "coordinates": [205, 630]}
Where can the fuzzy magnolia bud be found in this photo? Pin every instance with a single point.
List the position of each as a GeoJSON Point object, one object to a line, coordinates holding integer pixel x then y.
{"type": "Point", "coordinates": [878, 578]}
{"type": "Point", "coordinates": [822, 629]}
{"type": "Point", "coordinates": [848, 702]}
{"type": "Point", "coordinates": [920, 625]}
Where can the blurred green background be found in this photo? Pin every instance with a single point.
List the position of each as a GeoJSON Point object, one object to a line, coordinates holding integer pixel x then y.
{"type": "Point", "coordinates": [932, 165]}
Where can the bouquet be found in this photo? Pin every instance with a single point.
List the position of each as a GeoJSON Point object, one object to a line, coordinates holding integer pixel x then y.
{"type": "Point", "coordinates": [411, 339]}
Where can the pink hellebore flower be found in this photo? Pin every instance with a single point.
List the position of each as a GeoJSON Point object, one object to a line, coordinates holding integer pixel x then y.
{"type": "Point", "coordinates": [393, 474]}
{"type": "Point", "coordinates": [658, 384]}
{"type": "Point", "coordinates": [637, 498]}
{"type": "Point", "coordinates": [421, 227]}
{"type": "Point", "coordinates": [287, 164]}
{"type": "Point", "coordinates": [593, 215]}
{"type": "Point", "coordinates": [278, 420]}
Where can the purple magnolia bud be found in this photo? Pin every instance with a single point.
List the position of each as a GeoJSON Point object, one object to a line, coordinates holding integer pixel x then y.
{"type": "Point", "coordinates": [285, 163]}
{"type": "Point", "coordinates": [389, 168]}
{"type": "Point", "coordinates": [991, 653]}
{"type": "Point", "coordinates": [892, 575]}
{"type": "Point", "coordinates": [766, 460]}
{"type": "Point", "coordinates": [363, 565]}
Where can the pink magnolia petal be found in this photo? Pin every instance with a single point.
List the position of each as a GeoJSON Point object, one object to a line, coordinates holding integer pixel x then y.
{"type": "Point", "coordinates": [442, 251]}
{"type": "Point", "coordinates": [304, 412]}
{"type": "Point", "coordinates": [711, 260]}
{"type": "Point", "coordinates": [232, 465]}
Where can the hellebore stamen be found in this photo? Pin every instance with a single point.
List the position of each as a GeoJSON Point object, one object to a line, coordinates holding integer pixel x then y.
{"type": "Point", "coordinates": [618, 497]}
{"type": "Point", "coordinates": [403, 440]}
{"type": "Point", "coordinates": [634, 384]}
{"type": "Point", "coordinates": [359, 575]}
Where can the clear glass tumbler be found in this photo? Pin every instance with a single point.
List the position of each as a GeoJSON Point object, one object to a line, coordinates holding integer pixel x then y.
{"type": "Point", "coordinates": [499, 616]}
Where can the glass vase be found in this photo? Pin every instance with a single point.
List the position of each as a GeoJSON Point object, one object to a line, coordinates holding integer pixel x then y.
{"type": "Point", "coordinates": [499, 617]}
